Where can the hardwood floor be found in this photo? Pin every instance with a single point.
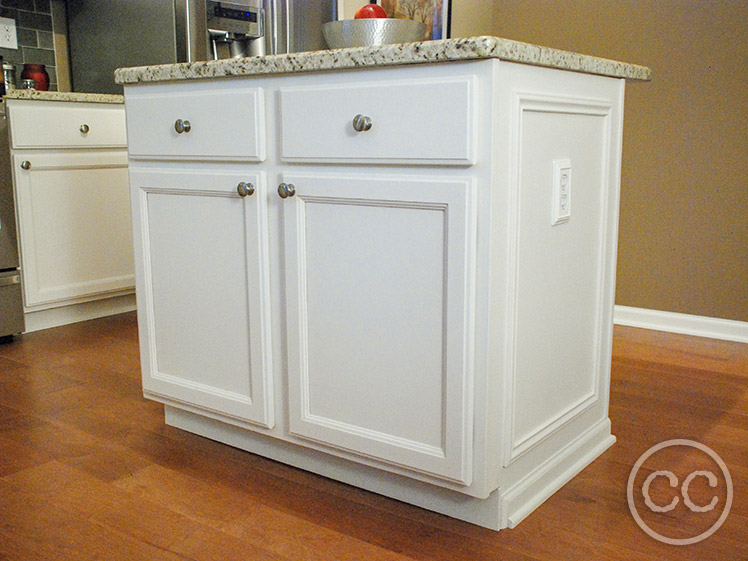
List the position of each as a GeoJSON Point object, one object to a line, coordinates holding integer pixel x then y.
{"type": "Point", "coordinates": [88, 470]}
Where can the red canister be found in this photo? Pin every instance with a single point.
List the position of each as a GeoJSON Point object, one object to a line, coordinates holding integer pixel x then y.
{"type": "Point", "coordinates": [38, 73]}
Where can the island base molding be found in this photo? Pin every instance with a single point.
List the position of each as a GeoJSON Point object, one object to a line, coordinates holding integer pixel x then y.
{"type": "Point", "coordinates": [502, 509]}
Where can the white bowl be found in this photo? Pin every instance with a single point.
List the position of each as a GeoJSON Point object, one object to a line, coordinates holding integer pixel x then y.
{"type": "Point", "coordinates": [372, 31]}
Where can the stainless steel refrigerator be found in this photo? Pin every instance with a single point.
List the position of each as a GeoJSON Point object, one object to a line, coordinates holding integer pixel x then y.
{"type": "Point", "coordinates": [107, 34]}
{"type": "Point", "coordinates": [11, 303]}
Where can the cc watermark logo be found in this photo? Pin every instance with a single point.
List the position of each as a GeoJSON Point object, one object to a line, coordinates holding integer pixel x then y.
{"type": "Point", "coordinates": [686, 480]}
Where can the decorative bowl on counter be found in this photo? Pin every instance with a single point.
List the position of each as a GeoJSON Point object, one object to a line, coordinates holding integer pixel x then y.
{"type": "Point", "coordinates": [373, 31]}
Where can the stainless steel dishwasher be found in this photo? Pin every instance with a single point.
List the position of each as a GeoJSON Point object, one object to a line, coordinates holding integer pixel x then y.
{"type": "Point", "coordinates": [11, 303]}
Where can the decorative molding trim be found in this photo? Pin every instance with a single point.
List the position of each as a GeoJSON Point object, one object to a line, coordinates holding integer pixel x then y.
{"type": "Point", "coordinates": [528, 442]}
{"type": "Point", "coordinates": [528, 102]}
{"type": "Point", "coordinates": [540, 483]}
{"type": "Point", "coordinates": [673, 322]}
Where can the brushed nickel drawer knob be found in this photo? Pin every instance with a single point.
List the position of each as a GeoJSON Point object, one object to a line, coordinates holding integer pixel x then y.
{"type": "Point", "coordinates": [286, 190]}
{"type": "Point", "coordinates": [84, 128]}
{"type": "Point", "coordinates": [182, 126]}
{"type": "Point", "coordinates": [25, 164]}
{"type": "Point", "coordinates": [362, 123]}
{"type": "Point", "coordinates": [245, 189]}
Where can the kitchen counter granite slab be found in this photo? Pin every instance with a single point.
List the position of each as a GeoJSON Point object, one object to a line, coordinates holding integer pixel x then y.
{"type": "Point", "coordinates": [445, 50]}
{"type": "Point", "coordinates": [64, 96]}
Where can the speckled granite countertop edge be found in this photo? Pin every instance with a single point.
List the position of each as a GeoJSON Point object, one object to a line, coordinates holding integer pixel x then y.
{"type": "Point", "coordinates": [470, 48]}
{"type": "Point", "coordinates": [64, 96]}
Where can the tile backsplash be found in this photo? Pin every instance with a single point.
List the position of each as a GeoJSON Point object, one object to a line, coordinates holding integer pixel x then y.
{"type": "Point", "coordinates": [35, 39]}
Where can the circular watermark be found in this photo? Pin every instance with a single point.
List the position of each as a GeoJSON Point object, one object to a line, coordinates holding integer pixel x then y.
{"type": "Point", "coordinates": [673, 482]}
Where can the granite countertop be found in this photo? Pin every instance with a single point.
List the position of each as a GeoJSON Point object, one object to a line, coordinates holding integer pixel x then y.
{"type": "Point", "coordinates": [470, 48]}
{"type": "Point", "coordinates": [64, 96]}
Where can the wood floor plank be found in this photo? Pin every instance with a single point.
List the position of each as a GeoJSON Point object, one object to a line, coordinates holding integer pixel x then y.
{"type": "Point", "coordinates": [67, 488]}
{"type": "Point", "coordinates": [210, 544]}
{"type": "Point", "coordinates": [17, 457]}
{"type": "Point", "coordinates": [47, 526]}
{"type": "Point", "coordinates": [192, 498]}
{"type": "Point", "coordinates": [88, 470]}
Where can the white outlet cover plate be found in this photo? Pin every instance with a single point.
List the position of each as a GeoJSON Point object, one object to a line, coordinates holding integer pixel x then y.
{"type": "Point", "coordinates": [561, 192]}
{"type": "Point", "coordinates": [8, 38]}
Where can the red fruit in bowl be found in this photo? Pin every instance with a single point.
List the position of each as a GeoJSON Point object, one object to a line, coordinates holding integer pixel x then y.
{"type": "Point", "coordinates": [370, 11]}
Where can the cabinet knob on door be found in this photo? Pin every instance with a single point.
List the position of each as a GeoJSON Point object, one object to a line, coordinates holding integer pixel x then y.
{"type": "Point", "coordinates": [245, 189]}
{"type": "Point", "coordinates": [84, 128]}
{"type": "Point", "coordinates": [25, 164]}
{"type": "Point", "coordinates": [182, 126]}
{"type": "Point", "coordinates": [361, 123]}
{"type": "Point", "coordinates": [286, 190]}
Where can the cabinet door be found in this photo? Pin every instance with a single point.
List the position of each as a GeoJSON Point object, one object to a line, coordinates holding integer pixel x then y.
{"type": "Point", "coordinates": [379, 289]}
{"type": "Point", "coordinates": [203, 292]}
{"type": "Point", "coordinates": [74, 224]}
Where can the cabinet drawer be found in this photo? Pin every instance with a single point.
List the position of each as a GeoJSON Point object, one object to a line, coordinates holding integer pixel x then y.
{"type": "Point", "coordinates": [217, 124]}
{"type": "Point", "coordinates": [36, 124]}
{"type": "Point", "coordinates": [424, 122]}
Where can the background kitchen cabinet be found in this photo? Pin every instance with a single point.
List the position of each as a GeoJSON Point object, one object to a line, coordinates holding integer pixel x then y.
{"type": "Point", "coordinates": [73, 208]}
{"type": "Point", "coordinates": [74, 228]}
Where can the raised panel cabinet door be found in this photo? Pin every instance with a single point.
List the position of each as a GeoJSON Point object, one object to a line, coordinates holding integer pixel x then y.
{"type": "Point", "coordinates": [203, 292]}
{"type": "Point", "coordinates": [74, 224]}
{"type": "Point", "coordinates": [379, 294]}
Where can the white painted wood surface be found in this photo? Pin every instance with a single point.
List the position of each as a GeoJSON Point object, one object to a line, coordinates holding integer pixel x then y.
{"type": "Point", "coordinates": [74, 225]}
{"type": "Point", "coordinates": [427, 323]}
{"type": "Point", "coordinates": [53, 125]}
{"type": "Point", "coordinates": [205, 293]}
{"type": "Point", "coordinates": [73, 209]}
{"type": "Point", "coordinates": [378, 290]}
{"type": "Point", "coordinates": [426, 121]}
{"type": "Point", "coordinates": [223, 125]}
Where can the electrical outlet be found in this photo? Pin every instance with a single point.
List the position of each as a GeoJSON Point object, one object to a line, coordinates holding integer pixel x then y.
{"type": "Point", "coordinates": [561, 192]}
{"type": "Point", "coordinates": [8, 39]}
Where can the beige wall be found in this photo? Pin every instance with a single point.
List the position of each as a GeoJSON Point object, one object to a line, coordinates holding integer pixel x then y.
{"type": "Point", "coordinates": [684, 198]}
{"type": "Point", "coordinates": [684, 190]}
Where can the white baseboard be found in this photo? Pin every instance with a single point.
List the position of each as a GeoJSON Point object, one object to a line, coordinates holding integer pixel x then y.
{"type": "Point", "coordinates": [37, 320]}
{"type": "Point", "coordinates": [699, 326]}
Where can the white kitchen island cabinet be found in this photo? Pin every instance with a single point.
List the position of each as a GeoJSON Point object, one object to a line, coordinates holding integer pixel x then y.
{"type": "Point", "coordinates": [400, 277]}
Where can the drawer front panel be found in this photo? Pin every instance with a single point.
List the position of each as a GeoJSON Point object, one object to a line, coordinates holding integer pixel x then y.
{"type": "Point", "coordinates": [36, 124]}
{"type": "Point", "coordinates": [215, 124]}
{"type": "Point", "coordinates": [412, 122]}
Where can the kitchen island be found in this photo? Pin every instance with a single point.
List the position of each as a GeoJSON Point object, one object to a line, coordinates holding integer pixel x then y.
{"type": "Point", "coordinates": [393, 266]}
